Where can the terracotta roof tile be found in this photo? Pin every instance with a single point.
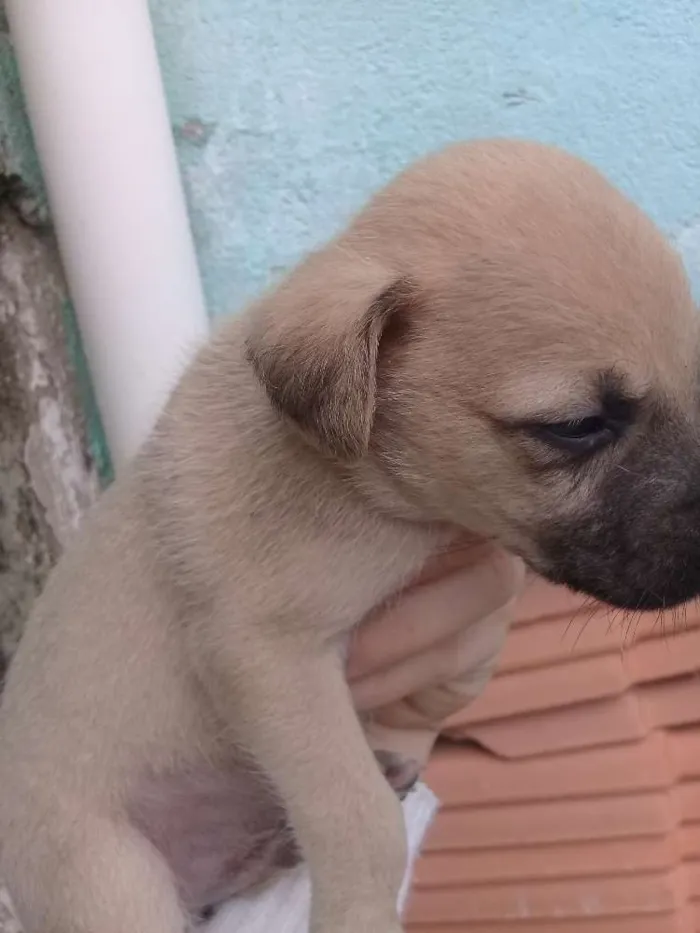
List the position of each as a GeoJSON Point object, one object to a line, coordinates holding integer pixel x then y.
{"type": "Point", "coordinates": [579, 809]}
{"type": "Point", "coordinates": [582, 859]}
{"type": "Point", "coordinates": [672, 922]}
{"type": "Point", "coordinates": [472, 777]}
{"type": "Point", "coordinates": [649, 893]}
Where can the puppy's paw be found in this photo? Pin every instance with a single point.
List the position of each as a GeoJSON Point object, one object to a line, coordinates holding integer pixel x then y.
{"type": "Point", "coordinates": [401, 773]}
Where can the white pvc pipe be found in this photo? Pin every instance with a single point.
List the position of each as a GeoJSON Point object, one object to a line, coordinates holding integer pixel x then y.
{"type": "Point", "coordinates": [95, 100]}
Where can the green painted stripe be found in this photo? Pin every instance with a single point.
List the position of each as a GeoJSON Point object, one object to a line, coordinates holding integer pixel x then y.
{"type": "Point", "coordinates": [96, 438]}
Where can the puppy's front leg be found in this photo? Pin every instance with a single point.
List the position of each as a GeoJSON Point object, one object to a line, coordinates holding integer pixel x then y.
{"type": "Point", "coordinates": [292, 712]}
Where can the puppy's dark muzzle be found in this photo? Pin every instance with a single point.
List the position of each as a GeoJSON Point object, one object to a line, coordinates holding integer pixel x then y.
{"type": "Point", "coordinates": [637, 545]}
{"type": "Point", "coordinates": [624, 595]}
{"type": "Point", "coordinates": [628, 575]}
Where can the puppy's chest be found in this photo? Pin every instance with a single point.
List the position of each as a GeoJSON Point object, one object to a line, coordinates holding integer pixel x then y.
{"type": "Point", "coordinates": [353, 579]}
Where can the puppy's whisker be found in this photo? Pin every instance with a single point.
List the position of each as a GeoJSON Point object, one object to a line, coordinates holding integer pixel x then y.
{"type": "Point", "coordinates": [660, 624]}
{"type": "Point", "coordinates": [609, 620]}
{"type": "Point", "coordinates": [624, 469]}
{"type": "Point", "coordinates": [634, 620]}
{"type": "Point", "coordinates": [621, 617]}
{"type": "Point", "coordinates": [575, 615]}
{"type": "Point", "coordinates": [587, 608]}
{"type": "Point", "coordinates": [584, 626]}
{"type": "Point", "coordinates": [616, 618]}
{"type": "Point", "coordinates": [675, 612]}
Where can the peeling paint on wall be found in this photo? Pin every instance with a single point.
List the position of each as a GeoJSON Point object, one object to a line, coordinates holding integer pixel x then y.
{"type": "Point", "coordinates": [17, 155]}
{"type": "Point", "coordinates": [96, 438]}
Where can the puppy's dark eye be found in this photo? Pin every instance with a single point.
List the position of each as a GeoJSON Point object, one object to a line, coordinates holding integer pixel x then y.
{"type": "Point", "coordinates": [582, 436]}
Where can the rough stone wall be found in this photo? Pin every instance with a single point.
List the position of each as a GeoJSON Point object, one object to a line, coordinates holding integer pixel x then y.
{"type": "Point", "coordinates": [48, 476]}
{"type": "Point", "coordinates": [47, 479]}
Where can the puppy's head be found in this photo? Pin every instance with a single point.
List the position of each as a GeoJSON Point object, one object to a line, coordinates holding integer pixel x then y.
{"type": "Point", "coordinates": [503, 342]}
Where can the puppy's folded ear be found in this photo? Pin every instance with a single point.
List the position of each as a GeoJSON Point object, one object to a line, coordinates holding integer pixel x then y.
{"type": "Point", "coordinates": [314, 345]}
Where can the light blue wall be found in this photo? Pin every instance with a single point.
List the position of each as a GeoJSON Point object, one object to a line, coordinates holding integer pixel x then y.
{"type": "Point", "coordinates": [290, 111]}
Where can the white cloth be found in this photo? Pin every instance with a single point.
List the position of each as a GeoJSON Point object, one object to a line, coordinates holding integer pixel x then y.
{"type": "Point", "coordinates": [283, 906]}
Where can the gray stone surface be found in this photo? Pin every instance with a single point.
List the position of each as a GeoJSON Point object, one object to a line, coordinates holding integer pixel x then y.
{"type": "Point", "coordinates": [46, 477]}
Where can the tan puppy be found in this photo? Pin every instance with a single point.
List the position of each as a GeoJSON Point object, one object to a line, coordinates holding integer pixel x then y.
{"type": "Point", "coordinates": [500, 345]}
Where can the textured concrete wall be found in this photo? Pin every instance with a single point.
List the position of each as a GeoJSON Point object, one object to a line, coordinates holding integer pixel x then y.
{"type": "Point", "coordinates": [289, 113]}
